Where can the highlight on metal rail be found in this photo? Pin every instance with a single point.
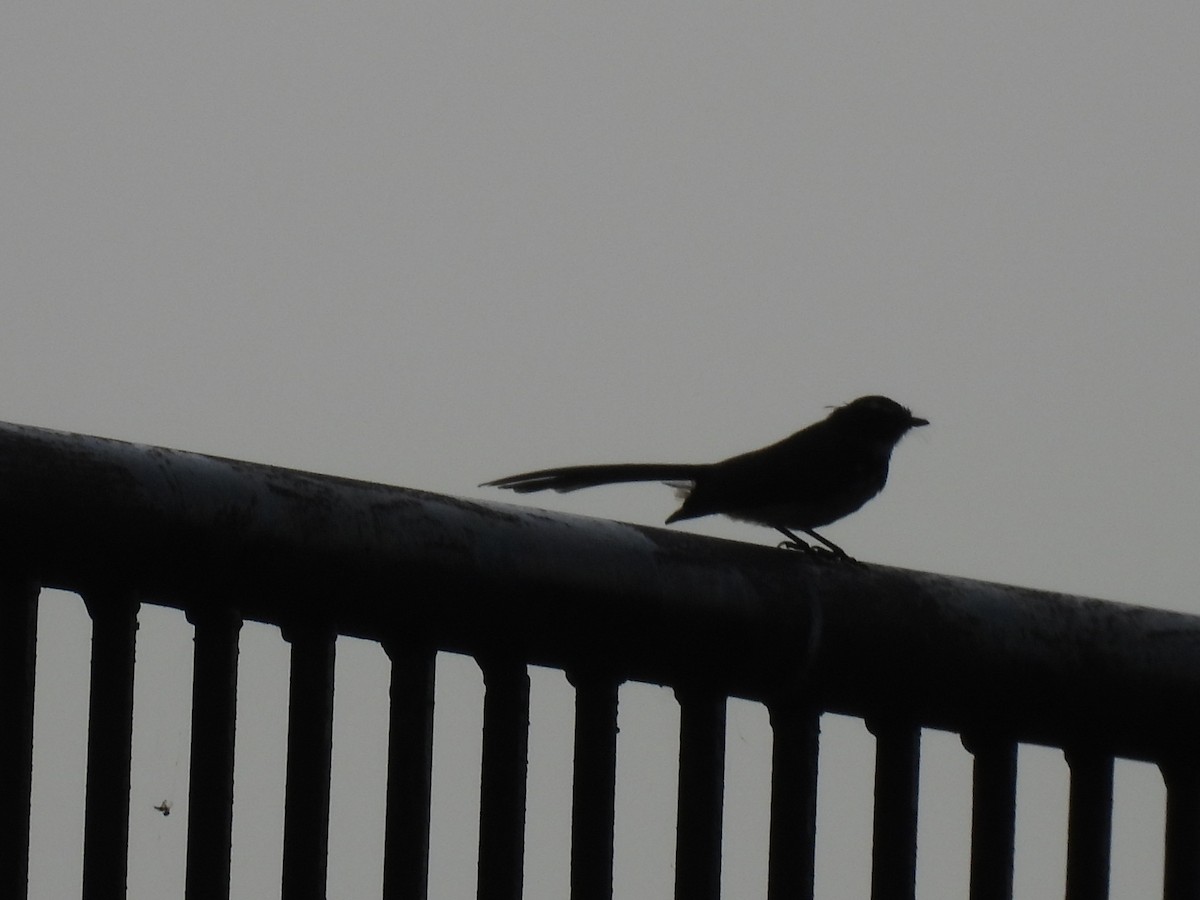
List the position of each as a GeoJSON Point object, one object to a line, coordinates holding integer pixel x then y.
{"type": "Point", "coordinates": [227, 542]}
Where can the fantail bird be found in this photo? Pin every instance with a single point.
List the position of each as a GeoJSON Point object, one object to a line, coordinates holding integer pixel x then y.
{"type": "Point", "coordinates": [814, 477]}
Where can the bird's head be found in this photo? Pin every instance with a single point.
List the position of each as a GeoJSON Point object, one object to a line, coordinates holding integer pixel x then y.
{"type": "Point", "coordinates": [876, 418]}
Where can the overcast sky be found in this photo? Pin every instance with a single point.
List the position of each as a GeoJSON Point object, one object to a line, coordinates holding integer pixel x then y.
{"type": "Point", "coordinates": [430, 244]}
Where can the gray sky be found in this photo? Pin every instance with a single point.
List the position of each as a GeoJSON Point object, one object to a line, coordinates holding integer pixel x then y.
{"type": "Point", "coordinates": [434, 243]}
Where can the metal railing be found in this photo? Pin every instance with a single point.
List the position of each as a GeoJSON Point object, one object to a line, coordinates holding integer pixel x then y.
{"type": "Point", "coordinates": [229, 541]}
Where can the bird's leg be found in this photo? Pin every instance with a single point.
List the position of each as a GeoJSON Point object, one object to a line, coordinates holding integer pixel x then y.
{"type": "Point", "coordinates": [792, 542]}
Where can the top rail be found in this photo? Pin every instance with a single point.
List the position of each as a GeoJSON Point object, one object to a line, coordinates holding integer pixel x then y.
{"type": "Point", "coordinates": [498, 581]}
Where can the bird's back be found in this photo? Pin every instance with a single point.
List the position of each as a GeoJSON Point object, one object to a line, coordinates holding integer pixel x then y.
{"type": "Point", "coordinates": [814, 477]}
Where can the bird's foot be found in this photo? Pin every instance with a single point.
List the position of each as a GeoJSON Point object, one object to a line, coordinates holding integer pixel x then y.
{"type": "Point", "coordinates": [795, 545]}
{"type": "Point", "coordinates": [839, 556]}
{"type": "Point", "coordinates": [822, 554]}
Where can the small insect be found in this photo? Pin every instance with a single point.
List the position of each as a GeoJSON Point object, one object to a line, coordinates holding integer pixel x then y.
{"type": "Point", "coordinates": [164, 807]}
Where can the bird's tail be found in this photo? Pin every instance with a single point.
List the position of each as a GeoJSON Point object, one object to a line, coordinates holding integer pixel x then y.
{"type": "Point", "coordinates": [572, 478]}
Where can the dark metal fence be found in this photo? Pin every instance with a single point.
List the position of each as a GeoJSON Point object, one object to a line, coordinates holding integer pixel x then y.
{"type": "Point", "coordinates": [229, 541]}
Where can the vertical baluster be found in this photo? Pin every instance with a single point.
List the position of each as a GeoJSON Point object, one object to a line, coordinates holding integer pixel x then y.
{"type": "Point", "coordinates": [1089, 826]}
{"type": "Point", "coordinates": [18, 658]}
{"type": "Point", "coordinates": [110, 734]}
{"type": "Point", "coordinates": [897, 771]}
{"type": "Point", "coordinates": [410, 766]}
{"type": "Point", "coordinates": [593, 794]}
{"type": "Point", "coordinates": [214, 714]}
{"type": "Point", "coordinates": [993, 817]}
{"type": "Point", "coordinates": [309, 752]}
{"type": "Point", "coordinates": [701, 794]}
{"type": "Point", "coordinates": [503, 779]}
{"type": "Point", "coordinates": [1181, 870]}
{"type": "Point", "coordinates": [794, 758]}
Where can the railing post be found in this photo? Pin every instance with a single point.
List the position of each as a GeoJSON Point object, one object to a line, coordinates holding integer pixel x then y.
{"type": "Point", "coordinates": [1089, 826]}
{"type": "Point", "coordinates": [1181, 869]}
{"type": "Point", "coordinates": [410, 766]}
{"type": "Point", "coordinates": [309, 752]}
{"type": "Point", "coordinates": [897, 773]}
{"type": "Point", "coordinates": [796, 726]}
{"type": "Point", "coordinates": [214, 717]}
{"type": "Point", "coordinates": [503, 779]}
{"type": "Point", "coordinates": [993, 817]}
{"type": "Point", "coordinates": [18, 657]}
{"type": "Point", "coordinates": [701, 794]}
{"type": "Point", "coordinates": [110, 734]}
{"type": "Point", "coordinates": [593, 792]}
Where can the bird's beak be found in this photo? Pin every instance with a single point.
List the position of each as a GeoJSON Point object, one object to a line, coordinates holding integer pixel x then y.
{"type": "Point", "coordinates": [914, 422]}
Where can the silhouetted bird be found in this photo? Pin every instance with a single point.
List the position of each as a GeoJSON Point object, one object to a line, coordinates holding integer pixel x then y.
{"type": "Point", "coordinates": [810, 479]}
